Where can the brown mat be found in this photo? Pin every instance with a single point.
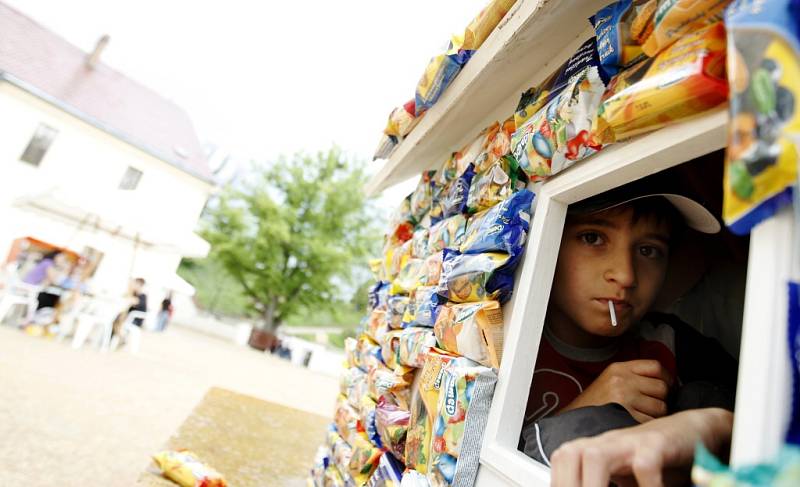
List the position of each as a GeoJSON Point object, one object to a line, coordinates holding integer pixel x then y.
{"type": "Point", "coordinates": [250, 441]}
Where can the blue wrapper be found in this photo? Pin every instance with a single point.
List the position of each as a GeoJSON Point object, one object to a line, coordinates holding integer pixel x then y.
{"type": "Point", "coordinates": [427, 307]}
{"type": "Point", "coordinates": [378, 295]}
{"type": "Point", "coordinates": [793, 434]}
{"type": "Point", "coordinates": [388, 474]}
{"type": "Point", "coordinates": [502, 228]}
{"type": "Point", "coordinates": [617, 46]}
{"type": "Point", "coordinates": [455, 201]}
{"type": "Point", "coordinates": [468, 278]}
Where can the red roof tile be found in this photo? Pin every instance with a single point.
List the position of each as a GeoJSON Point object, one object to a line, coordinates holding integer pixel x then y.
{"type": "Point", "coordinates": [51, 67]}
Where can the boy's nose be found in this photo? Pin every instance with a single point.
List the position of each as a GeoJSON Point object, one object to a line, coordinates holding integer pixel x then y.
{"type": "Point", "coordinates": [621, 269]}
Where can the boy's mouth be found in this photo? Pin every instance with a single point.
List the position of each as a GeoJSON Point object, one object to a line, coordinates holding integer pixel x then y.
{"type": "Point", "coordinates": [620, 305]}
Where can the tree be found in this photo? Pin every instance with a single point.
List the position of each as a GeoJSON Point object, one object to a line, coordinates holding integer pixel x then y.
{"type": "Point", "coordinates": [292, 233]}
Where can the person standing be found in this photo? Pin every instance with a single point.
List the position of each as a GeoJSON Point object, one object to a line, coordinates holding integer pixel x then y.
{"type": "Point", "coordinates": [165, 313]}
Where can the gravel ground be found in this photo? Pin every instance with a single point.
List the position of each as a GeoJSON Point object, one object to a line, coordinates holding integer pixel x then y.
{"type": "Point", "coordinates": [82, 417]}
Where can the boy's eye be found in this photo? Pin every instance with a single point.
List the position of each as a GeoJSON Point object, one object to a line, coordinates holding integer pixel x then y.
{"type": "Point", "coordinates": [591, 238]}
{"type": "Point", "coordinates": [651, 252]}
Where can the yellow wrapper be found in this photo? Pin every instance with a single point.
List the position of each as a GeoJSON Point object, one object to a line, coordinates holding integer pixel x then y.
{"type": "Point", "coordinates": [186, 470]}
{"type": "Point", "coordinates": [474, 330]}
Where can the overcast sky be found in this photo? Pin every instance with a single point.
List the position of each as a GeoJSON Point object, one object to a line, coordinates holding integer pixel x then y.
{"type": "Point", "coordinates": [262, 78]}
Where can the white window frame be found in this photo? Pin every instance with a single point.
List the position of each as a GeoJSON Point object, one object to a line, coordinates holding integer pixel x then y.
{"type": "Point", "coordinates": [764, 369]}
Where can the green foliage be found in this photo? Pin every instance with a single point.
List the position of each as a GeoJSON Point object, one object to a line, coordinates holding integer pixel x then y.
{"type": "Point", "coordinates": [215, 290]}
{"type": "Point", "coordinates": [293, 234]}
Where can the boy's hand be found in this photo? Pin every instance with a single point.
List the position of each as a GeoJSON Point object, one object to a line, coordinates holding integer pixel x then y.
{"type": "Point", "coordinates": [640, 386]}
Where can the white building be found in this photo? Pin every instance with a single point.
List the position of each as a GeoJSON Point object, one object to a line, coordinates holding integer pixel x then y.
{"type": "Point", "coordinates": [90, 159]}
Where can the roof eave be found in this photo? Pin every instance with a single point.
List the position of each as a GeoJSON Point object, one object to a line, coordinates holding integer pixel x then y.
{"type": "Point", "coordinates": [66, 107]}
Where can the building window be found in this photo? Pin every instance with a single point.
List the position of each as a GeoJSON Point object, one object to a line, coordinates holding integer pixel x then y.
{"type": "Point", "coordinates": [130, 180]}
{"type": "Point", "coordinates": [40, 142]}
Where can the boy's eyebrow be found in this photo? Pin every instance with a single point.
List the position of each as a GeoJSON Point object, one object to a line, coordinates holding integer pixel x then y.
{"type": "Point", "coordinates": [663, 238]}
{"type": "Point", "coordinates": [599, 222]}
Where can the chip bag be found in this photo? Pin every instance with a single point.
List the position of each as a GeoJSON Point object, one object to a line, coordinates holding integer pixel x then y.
{"type": "Point", "coordinates": [185, 469]}
{"type": "Point", "coordinates": [561, 132]}
{"type": "Point", "coordinates": [686, 79]}
{"type": "Point", "coordinates": [433, 268]}
{"type": "Point", "coordinates": [502, 228]}
{"type": "Point", "coordinates": [460, 419]}
{"type": "Point", "coordinates": [376, 320]}
{"type": "Point", "coordinates": [474, 330]}
{"type": "Point", "coordinates": [764, 132]}
{"type": "Point", "coordinates": [454, 199]}
{"type": "Point", "coordinates": [476, 277]}
{"type": "Point", "coordinates": [390, 346]}
{"type": "Point", "coordinates": [364, 460]}
{"type": "Point", "coordinates": [386, 147]}
{"type": "Point", "coordinates": [388, 474]}
{"type": "Point", "coordinates": [350, 350]}
{"type": "Point", "coordinates": [447, 234]}
{"type": "Point", "coordinates": [674, 19]}
{"type": "Point", "coordinates": [620, 29]}
{"type": "Point", "coordinates": [408, 278]}
{"type": "Point", "coordinates": [414, 345]}
{"type": "Point", "coordinates": [484, 23]}
{"type": "Point", "coordinates": [426, 306]}
{"type": "Point", "coordinates": [419, 245]}
{"type": "Point", "coordinates": [392, 422]}
{"type": "Point", "coordinates": [402, 120]}
{"type": "Point", "coordinates": [346, 419]}
{"type": "Point", "coordinates": [495, 184]}
{"type": "Point", "coordinates": [349, 383]}
{"type": "Point", "coordinates": [440, 72]}
{"type": "Point", "coordinates": [422, 197]}
{"type": "Point", "coordinates": [391, 384]}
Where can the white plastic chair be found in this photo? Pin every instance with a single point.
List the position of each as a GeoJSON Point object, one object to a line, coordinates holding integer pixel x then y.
{"type": "Point", "coordinates": [18, 293]}
{"type": "Point", "coordinates": [132, 333]}
{"type": "Point", "coordinates": [98, 313]}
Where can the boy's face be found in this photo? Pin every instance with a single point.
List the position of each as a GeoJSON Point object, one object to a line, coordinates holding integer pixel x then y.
{"type": "Point", "coordinates": [606, 256]}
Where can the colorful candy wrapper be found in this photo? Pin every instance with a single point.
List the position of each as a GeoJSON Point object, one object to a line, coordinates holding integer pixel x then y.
{"type": "Point", "coordinates": [388, 474]}
{"type": "Point", "coordinates": [793, 433]}
{"type": "Point", "coordinates": [440, 72]}
{"type": "Point", "coordinates": [460, 419]}
{"type": "Point", "coordinates": [496, 183]}
{"type": "Point", "coordinates": [433, 268]}
{"type": "Point", "coordinates": [468, 278]}
{"type": "Point", "coordinates": [674, 19]}
{"type": "Point", "coordinates": [419, 245]}
{"type": "Point", "coordinates": [764, 131]}
{"type": "Point", "coordinates": [392, 422]}
{"type": "Point", "coordinates": [349, 384]}
{"type": "Point", "coordinates": [447, 234]}
{"type": "Point", "coordinates": [402, 120]}
{"type": "Point", "coordinates": [484, 23]}
{"type": "Point", "coordinates": [621, 28]}
{"type": "Point", "coordinates": [415, 343]}
{"type": "Point", "coordinates": [390, 348]}
{"type": "Point", "coordinates": [422, 197]}
{"type": "Point", "coordinates": [502, 228]}
{"type": "Point", "coordinates": [538, 96]}
{"type": "Point", "coordinates": [377, 318]}
{"type": "Point", "coordinates": [686, 79]}
{"type": "Point", "coordinates": [401, 224]}
{"type": "Point", "coordinates": [561, 132]}
{"type": "Point", "coordinates": [346, 418]}
{"type": "Point", "coordinates": [376, 267]}
{"type": "Point", "coordinates": [378, 295]}
{"type": "Point", "coordinates": [341, 454]}
{"type": "Point", "coordinates": [474, 330]}
{"type": "Point", "coordinates": [185, 469]}
{"type": "Point", "coordinates": [333, 477]}
{"type": "Point", "coordinates": [454, 198]}
{"type": "Point", "coordinates": [408, 278]}
{"type": "Point", "coordinates": [350, 352]}
{"type": "Point", "coordinates": [364, 460]}
{"type": "Point", "coordinates": [394, 314]}
{"type": "Point", "coordinates": [391, 384]}
{"type": "Point", "coordinates": [321, 462]}
{"type": "Point", "coordinates": [369, 353]}
{"type": "Point", "coordinates": [426, 303]}
{"type": "Point", "coordinates": [386, 147]}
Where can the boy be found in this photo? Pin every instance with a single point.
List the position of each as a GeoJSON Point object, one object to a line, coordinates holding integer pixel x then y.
{"type": "Point", "coordinates": [598, 347]}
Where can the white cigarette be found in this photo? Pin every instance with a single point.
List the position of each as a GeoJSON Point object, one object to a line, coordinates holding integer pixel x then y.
{"type": "Point", "coordinates": [612, 313]}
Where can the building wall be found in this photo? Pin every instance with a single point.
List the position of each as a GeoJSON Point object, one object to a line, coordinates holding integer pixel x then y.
{"type": "Point", "coordinates": [89, 162]}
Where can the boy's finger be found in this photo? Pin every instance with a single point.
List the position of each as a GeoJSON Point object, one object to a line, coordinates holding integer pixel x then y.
{"type": "Point", "coordinates": [650, 406]}
{"type": "Point", "coordinates": [566, 466]}
{"type": "Point", "coordinates": [649, 386]}
{"type": "Point", "coordinates": [652, 368]}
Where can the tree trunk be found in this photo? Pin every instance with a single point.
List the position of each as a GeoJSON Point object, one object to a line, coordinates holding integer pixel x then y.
{"type": "Point", "coordinates": [269, 314]}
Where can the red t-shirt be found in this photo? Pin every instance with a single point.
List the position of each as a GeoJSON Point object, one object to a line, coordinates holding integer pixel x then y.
{"type": "Point", "coordinates": [562, 372]}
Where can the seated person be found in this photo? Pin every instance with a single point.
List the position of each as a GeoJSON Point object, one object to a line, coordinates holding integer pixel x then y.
{"type": "Point", "coordinates": [602, 348]}
{"type": "Point", "coordinates": [136, 301]}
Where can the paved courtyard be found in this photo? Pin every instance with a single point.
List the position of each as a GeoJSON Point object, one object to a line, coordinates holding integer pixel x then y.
{"type": "Point", "coordinates": [81, 417]}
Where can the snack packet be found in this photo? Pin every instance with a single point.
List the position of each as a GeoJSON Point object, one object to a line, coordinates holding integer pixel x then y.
{"type": "Point", "coordinates": [364, 460]}
{"type": "Point", "coordinates": [440, 72]}
{"type": "Point", "coordinates": [447, 234]}
{"type": "Point", "coordinates": [460, 419]}
{"type": "Point", "coordinates": [674, 19]}
{"type": "Point", "coordinates": [484, 23]}
{"type": "Point", "coordinates": [185, 469]}
{"type": "Point", "coordinates": [414, 345]}
{"type": "Point", "coordinates": [401, 224]}
{"type": "Point", "coordinates": [764, 130]}
{"type": "Point", "coordinates": [341, 454]}
{"type": "Point", "coordinates": [396, 258]}
{"type": "Point", "coordinates": [495, 184]}
{"type": "Point", "coordinates": [321, 461]}
{"type": "Point", "coordinates": [454, 199]}
{"type": "Point", "coordinates": [684, 80]}
{"type": "Point", "coordinates": [392, 422]}
{"type": "Point", "coordinates": [793, 433]}
{"type": "Point", "coordinates": [419, 245]}
{"type": "Point", "coordinates": [394, 385]}
{"type": "Point", "coordinates": [397, 307]}
{"type": "Point", "coordinates": [426, 303]}
{"type": "Point", "coordinates": [378, 295]}
{"type": "Point", "coordinates": [433, 268]}
{"type": "Point", "coordinates": [474, 330]}
{"type": "Point", "coordinates": [388, 474]}
{"type": "Point", "coordinates": [369, 352]}
{"type": "Point", "coordinates": [468, 278]}
{"type": "Point", "coordinates": [502, 228]}
{"type": "Point", "coordinates": [422, 197]}
{"type": "Point", "coordinates": [376, 320]}
{"type": "Point", "coordinates": [346, 418]}
{"type": "Point", "coordinates": [333, 477]}
{"type": "Point", "coordinates": [402, 120]}
{"type": "Point", "coordinates": [349, 382]}
{"type": "Point", "coordinates": [538, 96]}
{"type": "Point", "coordinates": [561, 132]}
{"type": "Point", "coordinates": [386, 147]}
{"type": "Point", "coordinates": [390, 346]}
{"type": "Point", "coordinates": [408, 278]}
{"type": "Point", "coordinates": [620, 29]}
{"type": "Point", "coordinates": [350, 352]}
